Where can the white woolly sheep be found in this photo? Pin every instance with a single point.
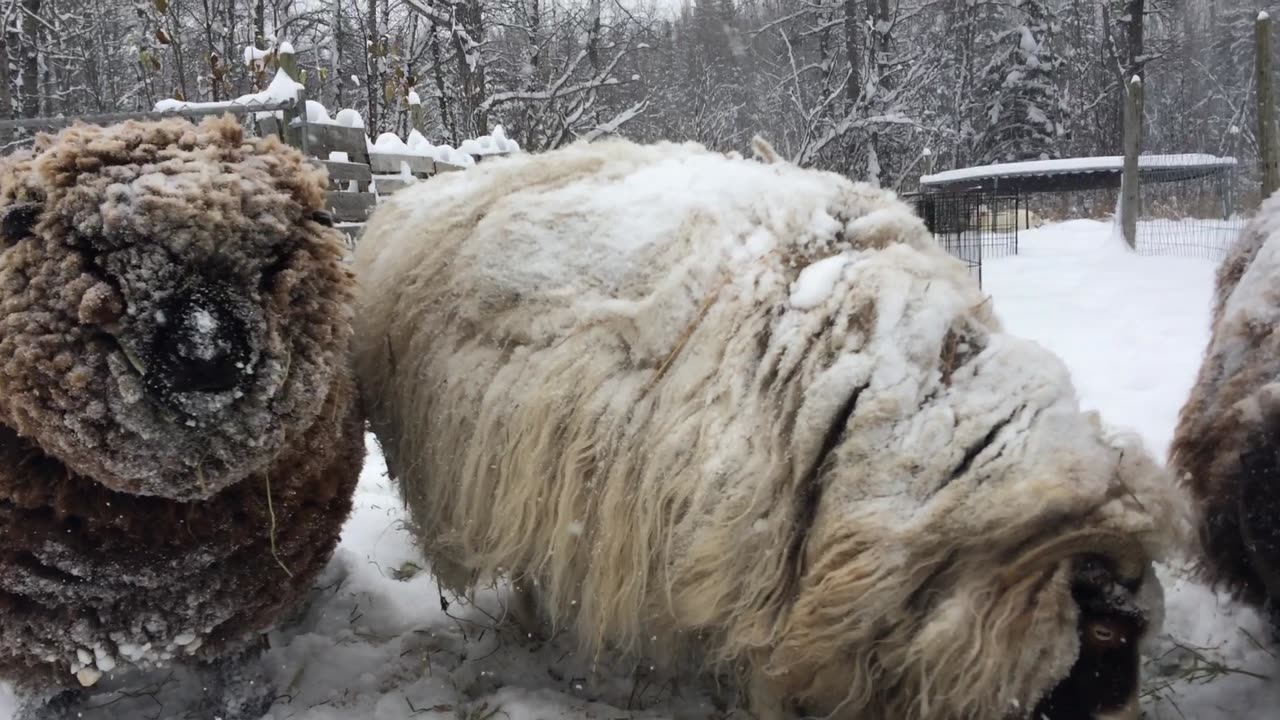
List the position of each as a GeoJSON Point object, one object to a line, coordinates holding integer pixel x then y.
{"type": "Point", "coordinates": [700, 407]}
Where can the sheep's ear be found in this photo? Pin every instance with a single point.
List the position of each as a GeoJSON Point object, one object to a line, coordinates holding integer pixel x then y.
{"type": "Point", "coordinates": [323, 217]}
{"type": "Point", "coordinates": [17, 221]}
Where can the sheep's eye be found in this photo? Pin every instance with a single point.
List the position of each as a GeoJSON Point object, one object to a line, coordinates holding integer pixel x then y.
{"type": "Point", "coordinates": [17, 221]}
{"type": "Point", "coordinates": [1102, 634]}
{"type": "Point", "coordinates": [323, 217]}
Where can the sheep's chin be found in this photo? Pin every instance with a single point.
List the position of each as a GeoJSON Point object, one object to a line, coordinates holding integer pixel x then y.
{"type": "Point", "coordinates": [1132, 712]}
{"type": "Point", "coordinates": [187, 445]}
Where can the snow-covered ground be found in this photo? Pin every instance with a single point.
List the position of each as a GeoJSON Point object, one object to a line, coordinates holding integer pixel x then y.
{"type": "Point", "coordinates": [376, 643]}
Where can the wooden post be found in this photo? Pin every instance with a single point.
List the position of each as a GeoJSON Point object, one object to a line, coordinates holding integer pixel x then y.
{"type": "Point", "coordinates": [926, 167]}
{"type": "Point", "coordinates": [304, 141]}
{"type": "Point", "coordinates": [288, 61]}
{"type": "Point", "coordinates": [1266, 106]}
{"type": "Point", "coordinates": [417, 118]}
{"type": "Point", "coordinates": [1129, 187]}
{"type": "Point", "coordinates": [1224, 194]}
{"type": "Point", "coordinates": [296, 135]}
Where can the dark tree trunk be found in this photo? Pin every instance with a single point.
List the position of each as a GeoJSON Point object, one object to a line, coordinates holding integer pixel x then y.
{"type": "Point", "coordinates": [30, 67]}
{"type": "Point", "coordinates": [853, 51]}
{"type": "Point", "coordinates": [1135, 10]}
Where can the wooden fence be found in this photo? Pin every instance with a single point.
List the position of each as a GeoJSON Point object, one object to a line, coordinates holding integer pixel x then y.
{"type": "Point", "coordinates": [355, 184]}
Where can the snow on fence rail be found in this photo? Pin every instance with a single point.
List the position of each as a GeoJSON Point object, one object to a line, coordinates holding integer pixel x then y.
{"type": "Point", "coordinates": [59, 121]}
{"type": "Point", "coordinates": [278, 99]}
{"type": "Point", "coordinates": [361, 171]}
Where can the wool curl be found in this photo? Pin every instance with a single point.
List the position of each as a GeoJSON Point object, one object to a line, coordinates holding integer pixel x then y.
{"type": "Point", "coordinates": [1225, 449]}
{"type": "Point", "coordinates": [145, 519]}
{"type": "Point", "coordinates": [114, 224]}
{"type": "Point", "coordinates": [611, 374]}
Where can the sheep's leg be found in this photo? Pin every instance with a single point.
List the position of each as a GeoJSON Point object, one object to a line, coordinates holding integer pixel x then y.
{"type": "Point", "coordinates": [450, 575]}
{"type": "Point", "coordinates": [51, 705]}
{"type": "Point", "coordinates": [1273, 608]}
{"type": "Point", "coordinates": [765, 698]}
{"type": "Point", "coordinates": [525, 612]}
{"type": "Point", "coordinates": [238, 686]}
{"type": "Point", "coordinates": [1259, 510]}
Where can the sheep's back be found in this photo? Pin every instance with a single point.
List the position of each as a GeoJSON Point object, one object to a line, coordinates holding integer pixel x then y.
{"type": "Point", "coordinates": [539, 339]}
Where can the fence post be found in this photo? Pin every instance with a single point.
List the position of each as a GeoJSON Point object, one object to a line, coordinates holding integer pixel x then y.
{"type": "Point", "coordinates": [1129, 185]}
{"type": "Point", "coordinates": [417, 118]}
{"type": "Point", "coordinates": [304, 137]}
{"type": "Point", "coordinates": [1266, 105]}
{"type": "Point", "coordinates": [288, 61]}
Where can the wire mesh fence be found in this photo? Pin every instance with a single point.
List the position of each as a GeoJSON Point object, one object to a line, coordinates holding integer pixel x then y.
{"type": "Point", "coordinates": [974, 226]}
{"type": "Point", "coordinates": [1190, 204]}
{"type": "Point", "coordinates": [1195, 209]}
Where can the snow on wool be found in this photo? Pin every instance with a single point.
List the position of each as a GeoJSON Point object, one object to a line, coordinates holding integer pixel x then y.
{"type": "Point", "coordinates": [368, 648]}
{"type": "Point", "coordinates": [681, 439]}
{"type": "Point", "coordinates": [1227, 448]}
{"type": "Point", "coordinates": [179, 433]}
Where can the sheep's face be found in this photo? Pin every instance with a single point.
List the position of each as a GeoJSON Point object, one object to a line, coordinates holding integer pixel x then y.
{"type": "Point", "coordinates": [1104, 681]}
{"type": "Point", "coordinates": [172, 304]}
{"type": "Point", "coordinates": [1055, 634]}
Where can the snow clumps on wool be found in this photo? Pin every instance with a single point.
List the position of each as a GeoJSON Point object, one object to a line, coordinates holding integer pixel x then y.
{"type": "Point", "coordinates": [705, 409]}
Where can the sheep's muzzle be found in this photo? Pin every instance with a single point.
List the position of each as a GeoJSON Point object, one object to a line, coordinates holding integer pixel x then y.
{"type": "Point", "coordinates": [1104, 681]}
{"type": "Point", "coordinates": [204, 344]}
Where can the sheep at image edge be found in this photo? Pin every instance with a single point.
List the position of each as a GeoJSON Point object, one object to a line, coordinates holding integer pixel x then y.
{"type": "Point", "coordinates": [180, 434]}
{"type": "Point", "coordinates": [698, 407]}
{"type": "Point", "coordinates": [1226, 447]}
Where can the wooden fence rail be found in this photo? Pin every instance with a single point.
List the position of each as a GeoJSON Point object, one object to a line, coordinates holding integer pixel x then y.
{"type": "Point", "coordinates": [50, 123]}
{"type": "Point", "coordinates": [355, 184]}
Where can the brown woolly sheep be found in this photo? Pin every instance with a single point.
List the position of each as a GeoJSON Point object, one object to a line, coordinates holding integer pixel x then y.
{"type": "Point", "coordinates": [1226, 448]}
{"type": "Point", "coordinates": [180, 435]}
{"type": "Point", "coordinates": [698, 407]}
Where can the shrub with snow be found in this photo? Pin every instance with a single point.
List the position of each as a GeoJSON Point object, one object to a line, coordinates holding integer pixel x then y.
{"type": "Point", "coordinates": [179, 432]}
{"type": "Point", "coordinates": [750, 416]}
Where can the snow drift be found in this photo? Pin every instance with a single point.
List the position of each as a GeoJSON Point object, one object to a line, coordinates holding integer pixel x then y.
{"type": "Point", "coordinates": [752, 418]}
{"type": "Point", "coordinates": [1226, 448]}
{"type": "Point", "coordinates": [179, 431]}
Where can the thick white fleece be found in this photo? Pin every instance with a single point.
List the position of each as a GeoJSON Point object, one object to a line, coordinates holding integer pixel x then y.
{"type": "Point", "coordinates": [745, 410]}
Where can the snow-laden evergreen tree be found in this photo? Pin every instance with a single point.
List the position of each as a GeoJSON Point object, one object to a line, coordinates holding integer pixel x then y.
{"type": "Point", "coordinates": [1023, 111]}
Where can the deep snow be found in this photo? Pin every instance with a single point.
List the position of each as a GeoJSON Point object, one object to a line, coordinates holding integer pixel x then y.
{"type": "Point", "coordinates": [375, 643]}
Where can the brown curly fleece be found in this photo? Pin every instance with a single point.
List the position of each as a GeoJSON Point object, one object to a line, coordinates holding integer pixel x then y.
{"type": "Point", "coordinates": [180, 435]}
{"type": "Point", "coordinates": [1226, 447]}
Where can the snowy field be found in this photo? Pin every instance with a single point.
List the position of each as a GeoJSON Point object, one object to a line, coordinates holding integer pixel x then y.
{"type": "Point", "coordinates": [376, 643]}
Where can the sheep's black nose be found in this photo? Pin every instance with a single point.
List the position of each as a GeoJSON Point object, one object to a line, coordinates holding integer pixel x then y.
{"type": "Point", "coordinates": [200, 345]}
